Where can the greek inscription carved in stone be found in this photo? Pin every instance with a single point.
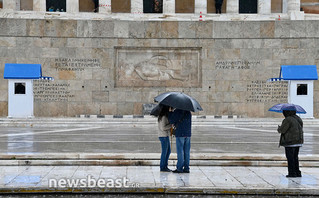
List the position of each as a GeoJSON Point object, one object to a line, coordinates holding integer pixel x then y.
{"type": "Point", "coordinates": [75, 64]}
{"type": "Point", "coordinates": [51, 92]}
{"type": "Point", "coordinates": [261, 92]}
{"type": "Point", "coordinates": [236, 64]}
{"type": "Point", "coordinates": [158, 67]}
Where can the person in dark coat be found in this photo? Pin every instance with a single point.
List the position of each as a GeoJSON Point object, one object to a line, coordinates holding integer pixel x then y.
{"type": "Point", "coordinates": [218, 6]}
{"type": "Point", "coordinates": [96, 5]}
{"type": "Point", "coordinates": [182, 121]}
{"type": "Point", "coordinates": [158, 7]}
{"type": "Point", "coordinates": [291, 138]}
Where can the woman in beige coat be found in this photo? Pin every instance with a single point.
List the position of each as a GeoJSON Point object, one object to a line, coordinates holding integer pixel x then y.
{"type": "Point", "coordinates": [164, 131]}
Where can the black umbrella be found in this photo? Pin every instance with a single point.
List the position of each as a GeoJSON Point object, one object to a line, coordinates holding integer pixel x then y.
{"type": "Point", "coordinates": [178, 100]}
{"type": "Point", "coordinates": [156, 110]}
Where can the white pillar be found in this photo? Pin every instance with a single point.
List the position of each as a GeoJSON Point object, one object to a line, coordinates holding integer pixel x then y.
{"type": "Point", "coordinates": [264, 6]}
{"type": "Point", "coordinates": [284, 6]}
{"type": "Point", "coordinates": [11, 4]}
{"type": "Point", "coordinates": [168, 6]}
{"type": "Point", "coordinates": [232, 7]}
{"type": "Point", "coordinates": [293, 6]}
{"type": "Point", "coordinates": [72, 6]}
{"type": "Point", "coordinates": [200, 6]}
{"type": "Point", "coordinates": [39, 5]}
{"type": "Point", "coordinates": [293, 9]}
{"type": "Point", "coordinates": [105, 6]}
{"type": "Point", "coordinates": [136, 6]}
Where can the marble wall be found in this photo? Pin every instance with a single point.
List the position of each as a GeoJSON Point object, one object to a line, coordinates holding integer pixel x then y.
{"type": "Point", "coordinates": [158, 67]}
{"type": "Point", "coordinates": [114, 67]}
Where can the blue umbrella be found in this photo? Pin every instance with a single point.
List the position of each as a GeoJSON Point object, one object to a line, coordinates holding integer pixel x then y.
{"type": "Point", "coordinates": [286, 106]}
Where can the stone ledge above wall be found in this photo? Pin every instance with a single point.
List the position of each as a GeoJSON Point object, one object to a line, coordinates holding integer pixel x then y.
{"type": "Point", "coordinates": [157, 29]}
{"type": "Point", "coordinates": [148, 116]}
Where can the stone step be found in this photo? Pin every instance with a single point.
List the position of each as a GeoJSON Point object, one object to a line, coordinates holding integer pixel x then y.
{"type": "Point", "coordinates": [151, 159]}
{"type": "Point", "coordinates": [146, 120]}
{"type": "Point", "coordinates": [146, 162]}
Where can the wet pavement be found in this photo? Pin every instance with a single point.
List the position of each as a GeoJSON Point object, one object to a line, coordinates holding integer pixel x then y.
{"type": "Point", "coordinates": [141, 137]}
{"type": "Point", "coordinates": [148, 179]}
{"type": "Point", "coordinates": [212, 140]}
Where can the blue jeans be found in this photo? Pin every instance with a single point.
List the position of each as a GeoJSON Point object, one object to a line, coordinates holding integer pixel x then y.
{"type": "Point", "coordinates": [183, 147]}
{"type": "Point", "coordinates": [166, 151]}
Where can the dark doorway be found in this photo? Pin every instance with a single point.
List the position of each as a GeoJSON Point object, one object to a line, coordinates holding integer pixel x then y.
{"type": "Point", "coordinates": [96, 5]}
{"type": "Point", "coordinates": [89, 5]}
{"type": "Point", "coordinates": [152, 6]}
{"type": "Point", "coordinates": [248, 6]}
{"type": "Point", "coordinates": [56, 6]}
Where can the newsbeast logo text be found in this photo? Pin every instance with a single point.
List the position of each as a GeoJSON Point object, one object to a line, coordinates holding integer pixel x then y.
{"type": "Point", "coordinates": [91, 182]}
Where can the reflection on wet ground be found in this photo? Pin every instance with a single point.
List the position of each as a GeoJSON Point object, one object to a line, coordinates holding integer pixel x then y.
{"type": "Point", "coordinates": [147, 179]}
{"type": "Point", "coordinates": [143, 139]}
{"type": "Point", "coordinates": [136, 138]}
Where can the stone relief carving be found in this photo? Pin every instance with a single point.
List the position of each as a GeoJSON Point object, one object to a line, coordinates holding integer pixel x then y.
{"type": "Point", "coordinates": [157, 68]}
{"type": "Point", "coordinates": [153, 67]}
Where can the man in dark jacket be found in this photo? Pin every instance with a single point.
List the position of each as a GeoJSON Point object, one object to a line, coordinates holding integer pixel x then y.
{"type": "Point", "coordinates": [292, 139]}
{"type": "Point", "coordinates": [96, 5]}
{"type": "Point", "coordinates": [218, 6]}
{"type": "Point", "coordinates": [158, 7]}
{"type": "Point", "coordinates": [182, 121]}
